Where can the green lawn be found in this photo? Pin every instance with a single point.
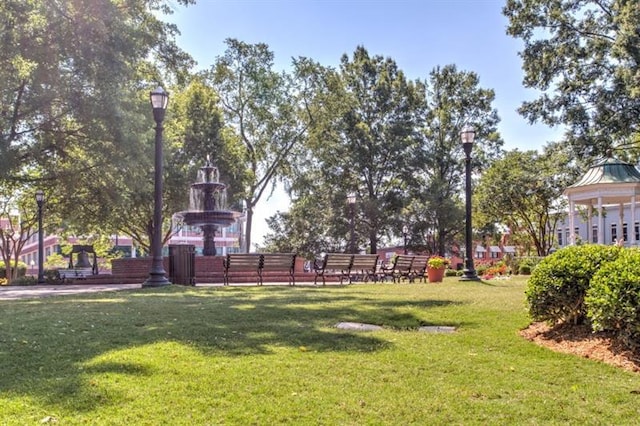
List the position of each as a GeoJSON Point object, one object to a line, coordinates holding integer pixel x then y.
{"type": "Point", "coordinates": [272, 355]}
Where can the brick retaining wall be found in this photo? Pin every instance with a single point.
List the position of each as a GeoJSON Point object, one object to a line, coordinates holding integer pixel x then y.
{"type": "Point", "coordinates": [209, 269]}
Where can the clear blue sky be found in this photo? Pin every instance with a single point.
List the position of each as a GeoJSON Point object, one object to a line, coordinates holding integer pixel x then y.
{"type": "Point", "coordinates": [418, 34]}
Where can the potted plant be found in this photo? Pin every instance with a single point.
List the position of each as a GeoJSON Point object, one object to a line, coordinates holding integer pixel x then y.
{"type": "Point", "coordinates": [436, 266]}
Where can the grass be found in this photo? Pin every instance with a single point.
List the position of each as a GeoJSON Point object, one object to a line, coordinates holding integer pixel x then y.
{"type": "Point", "coordinates": [272, 355]}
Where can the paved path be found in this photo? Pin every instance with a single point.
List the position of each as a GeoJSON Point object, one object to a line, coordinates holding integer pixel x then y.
{"type": "Point", "coordinates": [11, 292]}
{"type": "Point", "coordinates": [30, 292]}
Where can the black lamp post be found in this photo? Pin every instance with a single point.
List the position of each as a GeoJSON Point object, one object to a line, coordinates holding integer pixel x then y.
{"type": "Point", "coordinates": [405, 233]}
{"type": "Point", "coordinates": [40, 202]}
{"type": "Point", "coordinates": [469, 273]}
{"type": "Point", "coordinates": [351, 200]}
{"type": "Point", "coordinates": [157, 278]}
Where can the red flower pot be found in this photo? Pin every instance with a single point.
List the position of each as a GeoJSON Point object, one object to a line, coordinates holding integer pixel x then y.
{"type": "Point", "coordinates": [435, 275]}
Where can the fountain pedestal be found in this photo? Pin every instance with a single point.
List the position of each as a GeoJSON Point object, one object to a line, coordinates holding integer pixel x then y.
{"type": "Point", "coordinates": [208, 207]}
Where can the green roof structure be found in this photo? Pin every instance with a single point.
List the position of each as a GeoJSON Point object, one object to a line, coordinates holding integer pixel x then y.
{"type": "Point", "coordinates": [609, 170]}
{"type": "Point", "coordinates": [609, 182]}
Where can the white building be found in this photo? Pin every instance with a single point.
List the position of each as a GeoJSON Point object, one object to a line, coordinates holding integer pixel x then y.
{"type": "Point", "coordinates": [603, 206]}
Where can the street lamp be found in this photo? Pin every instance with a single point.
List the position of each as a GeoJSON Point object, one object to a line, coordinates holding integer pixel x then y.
{"type": "Point", "coordinates": [351, 200]}
{"type": "Point", "coordinates": [467, 135]}
{"type": "Point", "coordinates": [405, 232]}
{"type": "Point", "coordinates": [159, 100]}
{"type": "Point", "coordinates": [40, 202]}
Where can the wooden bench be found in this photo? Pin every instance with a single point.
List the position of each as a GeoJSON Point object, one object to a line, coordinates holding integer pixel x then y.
{"type": "Point", "coordinates": [419, 267]}
{"type": "Point", "coordinates": [399, 268]}
{"type": "Point", "coordinates": [259, 263]}
{"type": "Point", "coordinates": [75, 273]}
{"type": "Point", "coordinates": [242, 262]}
{"type": "Point", "coordinates": [278, 262]}
{"type": "Point", "coordinates": [364, 267]}
{"type": "Point", "coordinates": [334, 265]}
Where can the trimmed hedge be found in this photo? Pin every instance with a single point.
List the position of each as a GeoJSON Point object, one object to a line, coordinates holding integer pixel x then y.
{"type": "Point", "coordinates": [558, 285]}
{"type": "Point", "coordinates": [22, 269]}
{"type": "Point", "coordinates": [613, 298]}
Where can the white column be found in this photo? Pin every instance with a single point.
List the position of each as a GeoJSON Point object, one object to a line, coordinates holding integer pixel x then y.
{"type": "Point", "coordinates": [590, 223]}
{"type": "Point", "coordinates": [621, 222]}
{"type": "Point", "coordinates": [632, 226]}
{"type": "Point", "coordinates": [572, 235]}
{"type": "Point", "coordinates": [600, 222]}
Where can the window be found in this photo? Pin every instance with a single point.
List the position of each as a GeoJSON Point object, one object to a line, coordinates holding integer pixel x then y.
{"type": "Point", "coordinates": [625, 234]}
{"type": "Point", "coordinates": [567, 237]}
{"type": "Point", "coordinates": [614, 232]}
{"type": "Point", "coordinates": [594, 234]}
{"type": "Point", "coordinates": [636, 230]}
{"type": "Point", "coordinates": [576, 235]}
{"type": "Point", "coordinates": [560, 239]}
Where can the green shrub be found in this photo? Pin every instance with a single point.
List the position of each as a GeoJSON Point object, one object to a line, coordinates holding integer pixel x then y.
{"type": "Point", "coordinates": [524, 269]}
{"type": "Point", "coordinates": [613, 298]}
{"type": "Point", "coordinates": [481, 268]}
{"type": "Point", "coordinates": [450, 273]}
{"type": "Point", "coordinates": [25, 280]}
{"type": "Point", "coordinates": [557, 287]}
{"type": "Point", "coordinates": [51, 276]}
{"type": "Point", "coordinates": [22, 269]}
{"type": "Point", "coordinates": [529, 263]}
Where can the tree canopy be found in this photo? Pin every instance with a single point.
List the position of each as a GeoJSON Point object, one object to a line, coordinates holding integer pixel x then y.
{"type": "Point", "coordinates": [266, 111]}
{"type": "Point", "coordinates": [523, 190]}
{"type": "Point", "coordinates": [584, 56]}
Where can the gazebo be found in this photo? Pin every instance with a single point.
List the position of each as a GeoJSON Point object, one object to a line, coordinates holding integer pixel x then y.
{"type": "Point", "coordinates": [610, 182]}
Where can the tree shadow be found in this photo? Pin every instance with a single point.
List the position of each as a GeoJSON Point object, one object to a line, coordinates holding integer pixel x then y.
{"type": "Point", "coordinates": [46, 348]}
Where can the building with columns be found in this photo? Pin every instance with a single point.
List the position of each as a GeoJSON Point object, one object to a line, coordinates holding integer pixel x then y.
{"type": "Point", "coordinates": [603, 206]}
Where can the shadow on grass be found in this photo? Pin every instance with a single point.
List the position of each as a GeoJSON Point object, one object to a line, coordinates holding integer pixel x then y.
{"type": "Point", "coordinates": [45, 342]}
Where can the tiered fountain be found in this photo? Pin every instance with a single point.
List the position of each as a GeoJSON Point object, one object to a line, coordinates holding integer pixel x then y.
{"type": "Point", "coordinates": [208, 206]}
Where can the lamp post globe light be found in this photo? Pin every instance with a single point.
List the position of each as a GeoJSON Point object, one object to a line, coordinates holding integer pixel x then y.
{"type": "Point", "coordinates": [159, 101]}
{"type": "Point", "coordinates": [405, 233]}
{"type": "Point", "coordinates": [40, 202]}
{"type": "Point", "coordinates": [469, 272]}
{"type": "Point", "coordinates": [351, 200]}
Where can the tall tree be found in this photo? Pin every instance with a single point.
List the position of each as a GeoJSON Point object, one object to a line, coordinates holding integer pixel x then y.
{"type": "Point", "coordinates": [18, 213]}
{"type": "Point", "coordinates": [584, 56]}
{"type": "Point", "coordinates": [523, 191]}
{"type": "Point", "coordinates": [453, 98]}
{"type": "Point", "coordinates": [370, 149]}
{"type": "Point", "coordinates": [266, 110]}
{"type": "Point", "coordinates": [74, 82]}
{"type": "Point", "coordinates": [67, 70]}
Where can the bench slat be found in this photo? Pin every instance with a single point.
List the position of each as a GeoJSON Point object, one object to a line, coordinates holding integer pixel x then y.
{"type": "Point", "coordinates": [258, 263]}
{"type": "Point", "coordinates": [401, 267]}
{"type": "Point", "coordinates": [334, 264]}
{"type": "Point", "coordinates": [364, 265]}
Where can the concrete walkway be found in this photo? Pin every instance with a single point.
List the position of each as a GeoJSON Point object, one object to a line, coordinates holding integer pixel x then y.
{"type": "Point", "coordinates": [34, 291]}
{"type": "Point", "coordinates": [31, 292]}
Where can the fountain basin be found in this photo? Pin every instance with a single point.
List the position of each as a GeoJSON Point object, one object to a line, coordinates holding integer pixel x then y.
{"type": "Point", "coordinates": [214, 217]}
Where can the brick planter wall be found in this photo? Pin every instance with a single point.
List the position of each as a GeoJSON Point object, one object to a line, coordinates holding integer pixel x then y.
{"type": "Point", "coordinates": [209, 269]}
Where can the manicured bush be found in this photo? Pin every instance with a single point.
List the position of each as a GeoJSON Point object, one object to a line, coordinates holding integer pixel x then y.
{"type": "Point", "coordinates": [557, 287]}
{"type": "Point", "coordinates": [524, 265]}
{"type": "Point", "coordinates": [450, 273]}
{"type": "Point", "coordinates": [22, 269]}
{"type": "Point", "coordinates": [481, 268]}
{"type": "Point", "coordinates": [524, 269]}
{"type": "Point", "coordinates": [25, 280]}
{"type": "Point", "coordinates": [613, 298]}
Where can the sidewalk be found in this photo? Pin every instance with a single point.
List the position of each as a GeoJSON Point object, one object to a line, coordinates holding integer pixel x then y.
{"type": "Point", "coordinates": [31, 292]}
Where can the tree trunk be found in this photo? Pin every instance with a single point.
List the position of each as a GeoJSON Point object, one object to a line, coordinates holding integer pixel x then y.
{"type": "Point", "coordinates": [247, 230]}
{"type": "Point", "coordinates": [373, 241]}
